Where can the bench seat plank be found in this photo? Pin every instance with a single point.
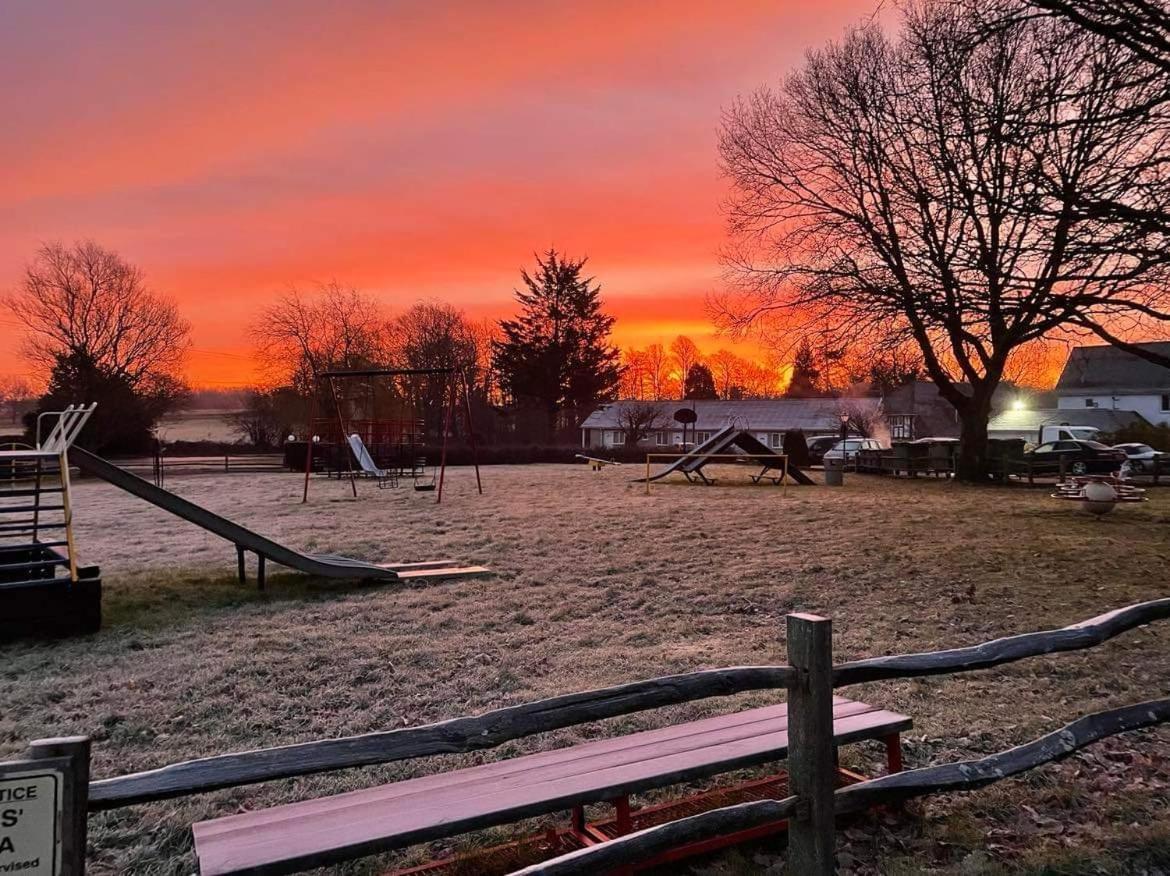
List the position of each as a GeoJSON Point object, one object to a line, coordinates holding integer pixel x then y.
{"type": "Point", "coordinates": [313, 832]}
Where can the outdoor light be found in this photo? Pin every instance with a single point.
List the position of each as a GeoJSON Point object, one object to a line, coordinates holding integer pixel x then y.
{"type": "Point", "coordinates": [1019, 404]}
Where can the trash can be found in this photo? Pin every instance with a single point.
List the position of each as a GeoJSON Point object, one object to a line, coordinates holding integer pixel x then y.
{"type": "Point", "coordinates": [834, 472]}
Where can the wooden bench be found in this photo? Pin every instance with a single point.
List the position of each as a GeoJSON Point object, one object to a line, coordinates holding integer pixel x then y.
{"type": "Point", "coordinates": [326, 830]}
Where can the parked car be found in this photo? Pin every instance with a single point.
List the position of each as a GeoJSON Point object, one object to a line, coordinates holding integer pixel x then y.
{"type": "Point", "coordinates": [1142, 456]}
{"type": "Point", "coordinates": [850, 447]}
{"type": "Point", "coordinates": [818, 446]}
{"type": "Point", "coordinates": [935, 440]}
{"type": "Point", "coordinates": [1080, 457]}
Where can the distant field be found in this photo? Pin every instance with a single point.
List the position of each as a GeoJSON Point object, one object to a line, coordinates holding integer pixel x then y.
{"type": "Point", "coordinates": [198, 425]}
{"type": "Point", "coordinates": [597, 584]}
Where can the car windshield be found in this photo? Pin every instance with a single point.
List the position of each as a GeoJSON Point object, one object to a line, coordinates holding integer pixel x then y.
{"type": "Point", "coordinates": [1096, 445]}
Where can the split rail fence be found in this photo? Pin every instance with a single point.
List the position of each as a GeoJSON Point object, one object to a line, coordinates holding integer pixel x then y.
{"type": "Point", "coordinates": [810, 679]}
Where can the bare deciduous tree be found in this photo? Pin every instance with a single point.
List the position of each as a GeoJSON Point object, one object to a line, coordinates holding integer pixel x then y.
{"type": "Point", "coordinates": [685, 353]}
{"type": "Point", "coordinates": [434, 335]}
{"type": "Point", "coordinates": [14, 393]}
{"type": "Point", "coordinates": [86, 302]}
{"type": "Point", "coordinates": [901, 192]}
{"type": "Point", "coordinates": [1139, 26]}
{"type": "Point", "coordinates": [658, 372]}
{"type": "Point", "coordinates": [298, 336]}
{"type": "Point", "coordinates": [637, 421]}
{"type": "Point", "coordinates": [633, 380]}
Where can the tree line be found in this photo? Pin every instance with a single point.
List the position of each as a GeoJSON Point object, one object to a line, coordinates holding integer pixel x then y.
{"type": "Point", "coordinates": [96, 332]}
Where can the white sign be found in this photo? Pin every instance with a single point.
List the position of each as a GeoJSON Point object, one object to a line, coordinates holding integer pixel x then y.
{"type": "Point", "coordinates": [31, 810]}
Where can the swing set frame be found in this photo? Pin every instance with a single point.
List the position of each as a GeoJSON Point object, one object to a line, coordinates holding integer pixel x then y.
{"type": "Point", "coordinates": [456, 388]}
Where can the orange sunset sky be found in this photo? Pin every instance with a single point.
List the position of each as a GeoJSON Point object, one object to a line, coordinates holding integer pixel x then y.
{"type": "Point", "coordinates": [415, 150]}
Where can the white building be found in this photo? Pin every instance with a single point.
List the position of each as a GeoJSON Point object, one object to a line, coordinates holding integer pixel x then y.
{"type": "Point", "coordinates": [767, 418]}
{"type": "Point", "coordinates": [1106, 378]}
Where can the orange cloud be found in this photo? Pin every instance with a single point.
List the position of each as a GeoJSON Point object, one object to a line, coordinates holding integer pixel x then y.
{"type": "Point", "coordinates": [415, 150]}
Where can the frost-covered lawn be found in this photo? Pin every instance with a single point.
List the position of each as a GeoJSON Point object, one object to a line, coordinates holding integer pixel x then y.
{"type": "Point", "coordinates": [597, 584]}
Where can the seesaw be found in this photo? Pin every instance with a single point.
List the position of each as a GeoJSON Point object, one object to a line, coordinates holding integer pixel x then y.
{"type": "Point", "coordinates": [596, 463]}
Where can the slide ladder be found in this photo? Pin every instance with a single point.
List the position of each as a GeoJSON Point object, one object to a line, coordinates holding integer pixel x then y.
{"type": "Point", "coordinates": [36, 515]}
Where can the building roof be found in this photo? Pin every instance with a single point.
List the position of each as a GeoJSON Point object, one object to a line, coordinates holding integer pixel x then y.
{"type": "Point", "coordinates": [761, 414]}
{"type": "Point", "coordinates": [1031, 420]}
{"type": "Point", "coordinates": [1106, 368]}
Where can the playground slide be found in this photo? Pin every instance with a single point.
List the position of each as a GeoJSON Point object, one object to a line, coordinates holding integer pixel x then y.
{"type": "Point", "coordinates": [695, 457]}
{"type": "Point", "coordinates": [753, 445]}
{"type": "Point", "coordinates": [358, 446]}
{"type": "Point", "coordinates": [322, 565]}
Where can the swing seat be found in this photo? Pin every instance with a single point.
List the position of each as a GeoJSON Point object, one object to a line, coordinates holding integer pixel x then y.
{"type": "Point", "coordinates": [425, 488]}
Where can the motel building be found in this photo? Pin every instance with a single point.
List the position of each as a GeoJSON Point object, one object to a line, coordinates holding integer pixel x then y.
{"type": "Point", "coordinates": [768, 419]}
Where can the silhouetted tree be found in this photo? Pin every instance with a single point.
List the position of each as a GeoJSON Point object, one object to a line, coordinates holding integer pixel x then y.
{"type": "Point", "coordinates": [699, 383]}
{"type": "Point", "coordinates": [805, 374]}
{"type": "Point", "coordinates": [637, 421]}
{"type": "Point", "coordinates": [557, 352]}
{"type": "Point", "coordinates": [268, 417]}
{"type": "Point", "coordinates": [91, 321]}
{"type": "Point", "coordinates": [901, 192]}
{"type": "Point", "coordinates": [124, 418]}
{"type": "Point", "coordinates": [1138, 26]}
{"type": "Point", "coordinates": [685, 353]}
{"type": "Point", "coordinates": [433, 335]}
{"type": "Point", "coordinates": [15, 393]}
{"type": "Point", "coordinates": [300, 335]}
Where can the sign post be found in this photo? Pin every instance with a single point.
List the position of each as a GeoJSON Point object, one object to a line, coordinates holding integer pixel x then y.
{"type": "Point", "coordinates": [43, 809]}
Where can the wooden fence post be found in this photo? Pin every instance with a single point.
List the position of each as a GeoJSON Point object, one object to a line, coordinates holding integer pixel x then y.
{"type": "Point", "coordinates": [76, 809]}
{"type": "Point", "coordinates": [812, 762]}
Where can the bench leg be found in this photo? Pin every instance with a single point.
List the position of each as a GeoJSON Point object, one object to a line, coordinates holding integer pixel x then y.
{"type": "Point", "coordinates": [624, 823]}
{"type": "Point", "coordinates": [893, 752]}
{"type": "Point", "coordinates": [578, 819]}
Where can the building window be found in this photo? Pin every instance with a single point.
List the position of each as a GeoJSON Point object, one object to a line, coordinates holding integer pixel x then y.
{"type": "Point", "coordinates": [1166, 402]}
{"type": "Point", "coordinates": [775, 439]}
{"type": "Point", "coordinates": [619, 438]}
{"type": "Point", "coordinates": [662, 439]}
{"type": "Point", "coordinates": [1090, 403]}
{"type": "Point", "coordinates": [702, 437]}
{"type": "Point", "coordinates": [902, 428]}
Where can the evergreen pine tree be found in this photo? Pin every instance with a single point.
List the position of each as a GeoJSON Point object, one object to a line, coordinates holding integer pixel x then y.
{"type": "Point", "coordinates": [805, 374]}
{"type": "Point", "coordinates": [556, 352]}
{"type": "Point", "coordinates": [699, 383]}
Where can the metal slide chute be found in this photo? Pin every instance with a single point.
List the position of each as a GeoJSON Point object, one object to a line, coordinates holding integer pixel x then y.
{"type": "Point", "coordinates": [723, 441]}
{"type": "Point", "coordinates": [322, 565]}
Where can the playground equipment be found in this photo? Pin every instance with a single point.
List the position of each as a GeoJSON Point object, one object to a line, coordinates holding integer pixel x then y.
{"type": "Point", "coordinates": [33, 597]}
{"type": "Point", "coordinates": [597, 463]}
{"type": "Point", "coordinates": [1098, 494]}
{"type": "Point", "coordinates": [731, 444]}
{"type": "Point", "coordinates": [245, 540]}
{"type": "Point", "coordinates": [386, 477]}
{"type": "Point", "coordinates": [399, 435]}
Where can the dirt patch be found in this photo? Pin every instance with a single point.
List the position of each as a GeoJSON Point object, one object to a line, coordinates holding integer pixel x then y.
{"type": "Point", "coordinates": [598, 583]}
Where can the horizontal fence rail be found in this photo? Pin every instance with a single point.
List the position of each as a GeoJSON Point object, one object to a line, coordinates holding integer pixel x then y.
{"type": "Point", "coordinates": [1078, 636]}
{"type": "Point", "coordinates": [460, 735]}
{"type": "Point", "coordinates": [963, 776]}
{"type": "Point", "coordinates": [454, 736]}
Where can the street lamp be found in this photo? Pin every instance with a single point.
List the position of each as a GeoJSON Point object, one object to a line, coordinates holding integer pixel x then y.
{"type": "Point", "coordinates": [844, 438]}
